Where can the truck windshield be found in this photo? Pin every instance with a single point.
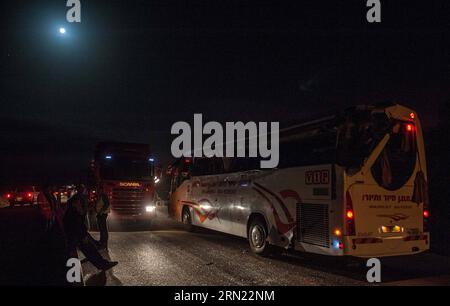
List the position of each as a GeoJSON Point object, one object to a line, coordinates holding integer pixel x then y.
{"type": "Point", "coordinates": [126, 169]}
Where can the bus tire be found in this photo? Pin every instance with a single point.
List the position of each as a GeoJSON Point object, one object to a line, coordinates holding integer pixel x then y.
{"type": "Point", "coordinates": [186, 219]}
{"type": "Point", "coordinates": [257, 237]}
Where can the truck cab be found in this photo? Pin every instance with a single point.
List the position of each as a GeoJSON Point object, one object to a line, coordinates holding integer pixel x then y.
{"type": "Point", "coordinates": [126, 173]}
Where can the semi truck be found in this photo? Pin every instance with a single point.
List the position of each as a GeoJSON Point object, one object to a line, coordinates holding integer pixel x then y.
{"type": "Point", "coordinates": [127, 174]}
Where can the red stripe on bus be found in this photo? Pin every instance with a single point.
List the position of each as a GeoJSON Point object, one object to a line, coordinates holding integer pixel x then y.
{"type": "Point", "coordinates": [283, 206]}
{"type": "Point", "coordinates": [282, 227]}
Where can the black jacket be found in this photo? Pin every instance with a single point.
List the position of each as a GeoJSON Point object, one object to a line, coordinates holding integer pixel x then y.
{"type": "Point", "coordinates": [75, 220]}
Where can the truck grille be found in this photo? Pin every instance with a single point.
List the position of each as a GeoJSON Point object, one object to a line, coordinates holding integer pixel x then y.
{"type": "Point", "coordinates": [127, 201]}
{"type": "Point", "coordinates": [312, 224]}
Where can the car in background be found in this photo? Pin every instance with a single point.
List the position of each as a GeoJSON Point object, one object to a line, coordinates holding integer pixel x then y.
{"type": "Point", "coordinates": [23, 196]}
{"type": "Point", "coordinates": [64, 193]}
{"type": "Point", "coordinates": [4, 203]}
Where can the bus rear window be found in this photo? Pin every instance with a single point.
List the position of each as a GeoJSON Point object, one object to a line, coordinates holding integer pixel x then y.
{"type": "Point", "coordinates": [395, 164]}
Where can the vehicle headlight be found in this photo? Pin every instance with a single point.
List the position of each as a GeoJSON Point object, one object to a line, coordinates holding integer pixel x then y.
{"type": "Point", "coordinates": [150, 208]}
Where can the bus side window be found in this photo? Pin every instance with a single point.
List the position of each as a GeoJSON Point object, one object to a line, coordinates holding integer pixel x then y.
{"type": "Point", "coordinates": [240, 164]}
{"type": "Point", "coordinates": [227, 163]}
{"type": "Point", "coordinates": [207, 166]}
{"type": "Point", "coordinates": [198, 167]}
{"type": "Point", "coordinates": [218, 166]}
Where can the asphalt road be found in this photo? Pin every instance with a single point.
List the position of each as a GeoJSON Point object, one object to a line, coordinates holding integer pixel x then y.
{"type": "Point", "coordinates": [165, 254]}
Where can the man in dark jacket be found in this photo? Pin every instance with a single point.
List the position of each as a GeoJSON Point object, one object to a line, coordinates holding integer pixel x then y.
{"type": "Point", "coordinates": [76, 230]}
{"type": "Point", "coordinates": [102, 209]}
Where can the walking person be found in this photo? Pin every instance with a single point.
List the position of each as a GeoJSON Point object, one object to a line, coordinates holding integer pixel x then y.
{"type": "Point", "coordinates": [102, 209]}
{"type": "Point", "coordinates": [77, 234]}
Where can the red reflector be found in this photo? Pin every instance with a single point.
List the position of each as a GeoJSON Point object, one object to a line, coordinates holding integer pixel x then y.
{"type": "Point", "coordinates": [187, 161]}
{"type": "Point", "coordinates": [426, 214]}
{"type": "Point", "coordinates": [350, 214]}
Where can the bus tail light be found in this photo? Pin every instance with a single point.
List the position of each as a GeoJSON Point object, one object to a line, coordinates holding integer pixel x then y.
{"type": "Point", "coordinates": [426, 215]}
{"type": "Point", "coordinates": [349, 215]}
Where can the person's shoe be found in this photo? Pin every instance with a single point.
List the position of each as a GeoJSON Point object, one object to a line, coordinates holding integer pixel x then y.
{"type": "Point", "coordinates": [108, 265]}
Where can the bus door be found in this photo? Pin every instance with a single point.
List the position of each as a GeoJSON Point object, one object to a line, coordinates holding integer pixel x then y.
{"type": "Point", "coordinates": [206, 207]}
{"type": "Point", "coordinates": [180, 186]}
{"type": "Point", "coordinates": [231, 203]}
{"type": "Point", "coordinates": [242, 170]}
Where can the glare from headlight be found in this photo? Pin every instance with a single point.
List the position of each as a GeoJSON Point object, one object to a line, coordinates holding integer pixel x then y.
{"type": "Point", "coordinates": [205, 206]}
{"type": "Point", "coordinates": [150, 208]}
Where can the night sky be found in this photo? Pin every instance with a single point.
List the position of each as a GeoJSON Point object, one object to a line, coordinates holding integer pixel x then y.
{"type": "Point", "coordinates": [133, 68]}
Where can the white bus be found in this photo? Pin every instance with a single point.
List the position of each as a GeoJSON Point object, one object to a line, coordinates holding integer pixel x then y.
{"type": "Point", "coordinates": [354, 183]}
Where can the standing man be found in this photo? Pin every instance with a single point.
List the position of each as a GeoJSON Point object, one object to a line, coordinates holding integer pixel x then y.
{"type": "Point", "coordinates": [47, 205]}
{"type": "Point", "coordinates": [77, 234]}
{"type": "Point", "coordinates": [102, 209]}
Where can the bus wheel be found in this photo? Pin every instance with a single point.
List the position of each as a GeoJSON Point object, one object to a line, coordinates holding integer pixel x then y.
{"type": "Point", "coordinates": [257, 237]}
{"type": "Point", "coordinates": [187, 219]}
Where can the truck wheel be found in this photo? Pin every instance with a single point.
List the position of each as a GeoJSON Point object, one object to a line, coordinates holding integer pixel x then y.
{"type": "Point", "coordinates": [257, 237]}
{"type": "Point", "coordinates": [186, 218]}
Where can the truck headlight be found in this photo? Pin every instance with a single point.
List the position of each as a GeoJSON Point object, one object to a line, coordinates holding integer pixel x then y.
{"type": "Point", "coordinates": [150, 208]}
